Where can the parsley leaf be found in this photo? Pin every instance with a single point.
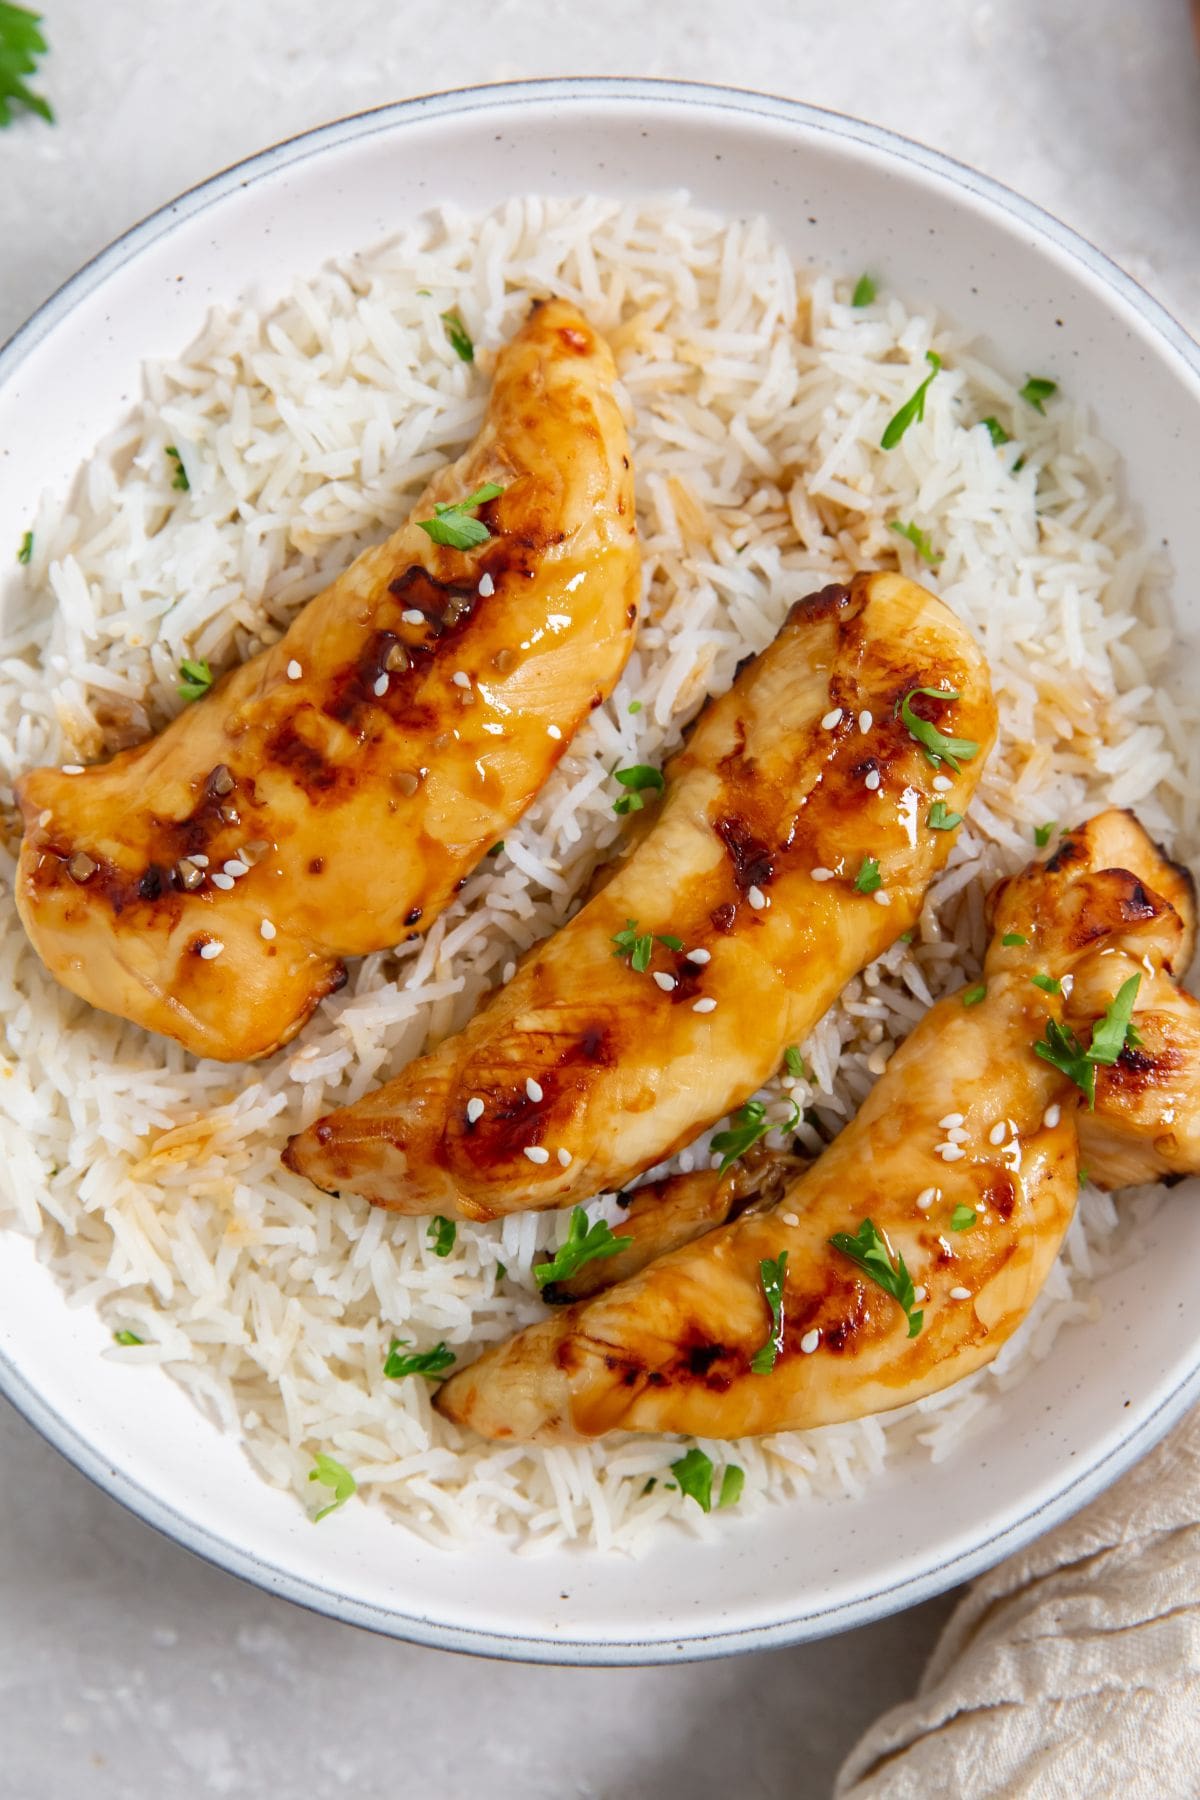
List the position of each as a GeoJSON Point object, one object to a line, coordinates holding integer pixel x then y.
{"type": "Point", "coordinates": [937, 746]}
{"type": "Point", "coordinates": [441, 1235]}
{"type": "Point", "coordinates": [636, 779]}
{"type": "Point", "coordinates": [501, 1271]}
{"type": "Point", "coordinates": [125, 1338]}
{"type": "Point", "coordinates": [452, 524]}
{"type": "Point", "coordinates": [1012, 938]}
{"type": "Point", "coordinates": [1037, 391]}
{"type": "Point", "coordinates": [638, 946]}
{"type": "Point", "coordinates": [635, 706]}
{"type": "Point", "coordinates": [773, 1274]}
{"type": "Point", "coordinates": [694, 1473]}
{"type": "Point", "coordinates": [749, 1124]}
{"type": "Point", "coordinates": [179, 477]}
{"type": "Point", "coordinates": [940, 817]}
{"type": "Point", "coordinates": [1049, 984]}
{"type": "Point", "coordinates": [459, 336]}
{"type": "Point", "coordinates": [868, 879]}
{"type": "Point", "coordinates": [962, 1218]}
{"type": "Point", "coordinates": [331, 1474]}
{"type": "Point", "coordinates": [21, 43]}
{"type": "Point", "coordinates": [584, 1244]}
{"type": "Point", "coordinates": [996, 431]}
{"type": "Point", "coordinates": [496, 848]}
{"type": "Point", "coordinates": [864, 291]}
{"type": "Point", "coordinates": [919, 541]}
{"type": "Point", "coordinates": [1116, 1029]}
{"type": "Point", "coordinates": [1043, 833]}
{"type": "Point", "coordinates": [974, 995]}
{"type": "Point", "coordinates": [870, 1252]}
{"type": "Point", "coordinates": [195, 678]}
{"type": "Point", "coordinates": [25, 553]}
{"type": "Point", "coordinates": [913, 408]}
{"type": "Point", "coordinates": [1064, 1052]}
{"type": "Point", "coordinates": [794, 1063]}
{"type": "Point", "coordinates": [429, 1363]}
{"type": "Point", "coordinates": [732, 1483]}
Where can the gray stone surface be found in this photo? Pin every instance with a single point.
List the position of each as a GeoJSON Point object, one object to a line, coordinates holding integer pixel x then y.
{"type": "Point", "coordinates": [126, 1667]}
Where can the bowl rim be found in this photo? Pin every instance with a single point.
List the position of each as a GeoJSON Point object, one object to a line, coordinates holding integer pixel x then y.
{"type": "Point", "coordinates": [907, 1590]}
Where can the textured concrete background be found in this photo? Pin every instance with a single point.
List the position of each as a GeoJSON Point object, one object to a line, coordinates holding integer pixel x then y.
{"type": "Point", "coordinates": [125, 1666]}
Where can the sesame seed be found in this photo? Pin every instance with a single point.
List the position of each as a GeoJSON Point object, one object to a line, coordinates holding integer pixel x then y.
{"type": "Point", "coordinates": [554, 732]}
{"type": "Point", "coordinates": [926, 1198]}
{"type": "Point", "coordinates": [222, 881]}
{"type": "Point", "coordinates": [460, 678]}
{"type": "Point", "coordinates": [942, 783]}
{"type": "Point", "coordinates": [413, 617]}
{"type": "Point", "coordinates": [536, 1153]}
{"type": "Point", "coordinates": [756, 897]}
{"type": "Point", "coordinates": [960, 1293]}
{"type": "Point", "coordinates": [789, 1218]}
{"type": "Point", "coordinates": [474, 1109]}
{"type": "Point", "coordinates": [294, 671]}
{"type": "Point", "coordinates": [810, 1340]}
{"type": "Point", "coordinates": [266, 930]}
{"type": "Point", "coordinates": [877, 1062]}
{"type": "Point", "coordinates": [873, 779]}
{"type": "Point", "coordinates": [44, 818]}
{"type": "Point", "coordinates": [213, 948]}
{"type": "Point", "coordinates": [998, 1133]}
{"type": "Point", "coordinates": [881, 897]}
{"type": "Point", "coordinates": [950, 1119]}
{"type": "Point", "coordinates": [920, 1293]}
{"type": "Point", "coordinates": [665, 982]}
{"type": "Point", "coordinates": [956, 1135]}
{"type": "Point", "coordinates": [72, 769]}
{"type": "Point", "coordinates": [235, 867]}
{"type": "Point", "coordinates": [832, 719]}
{"type": "Point", "coordinates": [705, 1006]}
{"type": "Point", "coordinates": [565, 1159]}
{"type": "Point", "coordinates": [81, 867]}
{"type": "Point", "coordinates": [487, 586]}
{"type": "Point", "coordinates": [821, 874]}
{"type": "Point", "coordinates": [533, 1089]}
{"type": "Point", "coordinates": [381, 686]}
{"type": "Point", "coordinates": [698, 956]}
{"type": "Point", "coordinates": [1051, 1116]}
{"type": "Point", "coordinates": [950, 1153]}
{"type": "Point", "coordinates": [200, 860]}
{"type": "Point", "coordinates": [866, 720]}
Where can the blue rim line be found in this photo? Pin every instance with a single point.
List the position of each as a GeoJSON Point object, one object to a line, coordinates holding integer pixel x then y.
{"type": "Point", "coordinates": [910, 1590]}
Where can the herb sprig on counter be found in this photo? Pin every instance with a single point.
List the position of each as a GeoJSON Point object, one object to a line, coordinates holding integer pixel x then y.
{"type": "Point", "coordinates": [21, 45]}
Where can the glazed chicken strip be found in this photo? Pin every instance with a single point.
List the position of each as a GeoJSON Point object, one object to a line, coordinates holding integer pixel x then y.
{"type": "Point", "coordinates": [331, 795]}
{"type": "Point", "coordinates": [793, 846]}
{"type": "Point", "coordinates": [963, 1158]}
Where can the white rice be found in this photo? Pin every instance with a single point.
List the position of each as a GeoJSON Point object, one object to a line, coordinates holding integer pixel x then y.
{"type": "Point", "coordinates": [152, 1182]}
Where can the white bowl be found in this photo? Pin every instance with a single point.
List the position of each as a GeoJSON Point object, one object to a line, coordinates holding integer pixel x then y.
{"type": "Point", "coordinates": [843, 194]}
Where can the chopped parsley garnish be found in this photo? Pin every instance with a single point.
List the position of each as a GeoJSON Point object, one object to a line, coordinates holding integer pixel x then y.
{"type": "Point", "coordinates": [441, 1235]}
{"type": "Point", "coordinates": [1043, 833]}
{"type": "Point", "coordinates": [125, 1338]}
{"type": "Point", "coordinates": [429, 1363]}
{"type": "Point", "coordinates": [974, 995]}
{"type": "Point", "coordinates": [453, 525]}
{"type": "Point", "coordinates": [584, 1244]}
{"type": "Point", "coordinates": [195, 678]}
{"type": "Point", "coordinates": [868, 879]}
{"type": "Point", "coordinates": [25, 553]}
{"type": "Point", "coordinates": [496, 848]}
{"type": "Point", "coordinates": [1063, 1050]}
{"type": "Point", "coordinates": [870, 1252]}
{"type": "Point", "coordinates": [920, 542]}
{"type": "Point", "coordinates": [179, 477]}
{"type": "Point", "coordinates": [996, 431]}
{"type": "Point", "coordinates": [1081, 1179]}
{"type": "Point", "coordinates": [794, 1063]}
{"type": "Point", "coordinates": [772, 1273]}
{"type": "Point", "coordinates": [637, 779]}
{"type": "Point", "coordinates": [913, 408]}
{"type": "Point", "coordinates": [694, 1473]}
{"type": "Point", "coordinates": [638, 946]}
{"type": "Point", "coordinates": [1112, 1031]}
{"type": "Point", "coordinates": [940, 817]}
{"type": "Point", "coordinates": [331, 1474]}
{"type": "Point", "coordinates": [635, 706]}
{"type": "Point", "coordinates": [1037, 391]}
{"type": "Point", "coordinates": [750, 1123]}
{"type": "Point", "coordinates": [21, 44]}
{"type": "Point", "coordinates": [962, 1218]}
{"type": "Point", "coordinates": [732, 1483]}
{"type": "Point", "coordinates": [459, 336]}
{"type": "Point", "coordinates": [501, 1271]}
{"type": "Point", "coordinates": [864, 291]}
{"type": "Point", "coordinates": [1049, 984]}
{"type": "Point", "coordinates": [1012, 938]}
{"type": "Point", "coordinates": [937, 746]}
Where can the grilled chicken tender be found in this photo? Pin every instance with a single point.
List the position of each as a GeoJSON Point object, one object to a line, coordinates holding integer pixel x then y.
{"type": "Point", "coordinates": [331, 795]}
{"type": "Point", "coordinates": [752, 890]}
{"type": "Point", "coordinates": [966, 1116]}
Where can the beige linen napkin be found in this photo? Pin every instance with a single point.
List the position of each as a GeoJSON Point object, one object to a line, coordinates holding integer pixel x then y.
{"type": "Point", "coordinates": [1070, 1671]}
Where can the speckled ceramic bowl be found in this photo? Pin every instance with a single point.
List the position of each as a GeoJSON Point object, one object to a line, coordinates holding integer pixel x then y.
{"type": "Point", "coordinates": [844, 194]}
